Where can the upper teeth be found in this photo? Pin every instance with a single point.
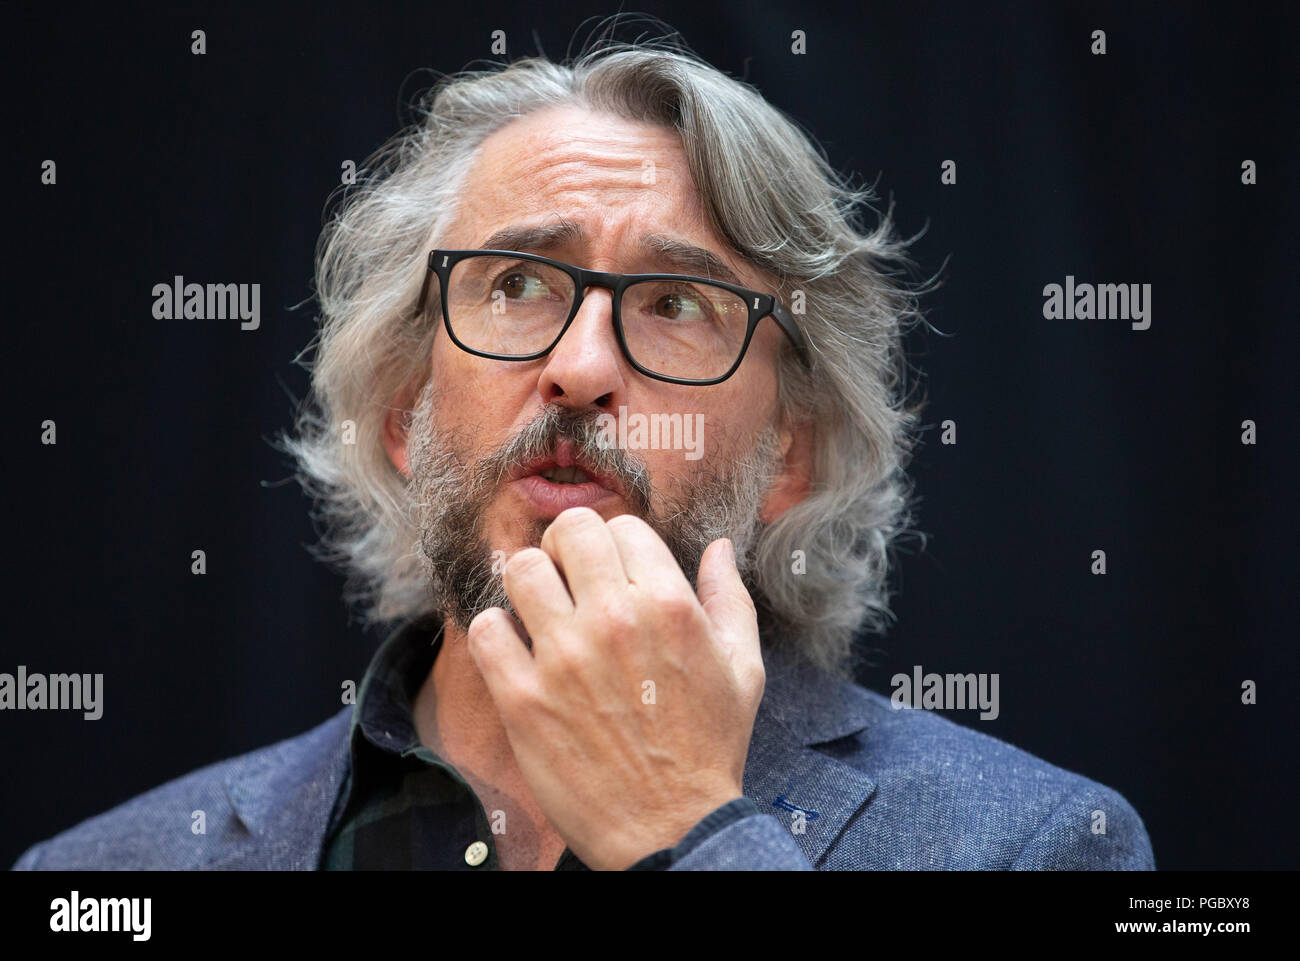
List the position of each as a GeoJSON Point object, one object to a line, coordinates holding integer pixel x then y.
{"type": "Point", "coordinates": [565, 475]}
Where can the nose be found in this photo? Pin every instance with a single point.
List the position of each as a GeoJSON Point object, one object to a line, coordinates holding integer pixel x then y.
{"type": "Point", "coordinates": [586, 368]}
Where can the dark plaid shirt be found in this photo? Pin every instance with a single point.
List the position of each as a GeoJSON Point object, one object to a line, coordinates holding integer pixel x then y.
{"type": "Point", "coordinates": [404, 808]}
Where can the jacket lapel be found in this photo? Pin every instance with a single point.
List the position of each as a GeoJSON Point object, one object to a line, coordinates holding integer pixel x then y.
{"type": "Point", "coordinates": [284, 797]}
{"type": "Point", "coordinates": [803, 787]}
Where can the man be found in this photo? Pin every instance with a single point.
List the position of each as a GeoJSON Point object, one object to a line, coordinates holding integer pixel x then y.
{"type": "Point", "coordinates": [609, 422]}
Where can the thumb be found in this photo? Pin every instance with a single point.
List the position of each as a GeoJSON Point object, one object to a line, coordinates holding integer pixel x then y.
{"type": "Point", "coordinates": [725, 600]}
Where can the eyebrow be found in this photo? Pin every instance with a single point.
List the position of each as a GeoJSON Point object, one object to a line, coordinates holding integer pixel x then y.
{"type": "Point", "coordinates": [688, 259]}
{"type": "Point", "coordinates": [541, 237]}
{"type": "Point", "coordinates": [677, 255]}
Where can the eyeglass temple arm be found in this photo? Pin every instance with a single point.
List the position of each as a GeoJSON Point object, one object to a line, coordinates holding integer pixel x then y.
{"type": "Point", "coordinates": [424, 290]}
{"type": "Point", "coordinates": [792, 330]}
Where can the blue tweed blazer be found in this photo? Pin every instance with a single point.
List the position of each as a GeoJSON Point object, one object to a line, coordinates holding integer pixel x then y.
{"type": "Point", "coordinates": [842, 780]}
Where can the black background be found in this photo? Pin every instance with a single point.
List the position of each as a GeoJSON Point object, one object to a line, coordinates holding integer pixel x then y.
{"type": "Point", "coordinates": [1072, 435]}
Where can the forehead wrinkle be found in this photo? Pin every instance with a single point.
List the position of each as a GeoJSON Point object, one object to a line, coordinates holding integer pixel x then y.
{"type": "Point", "coordinates": [623, 139]}
{"type": "Point", "coordinates": [565, 158]}
{"type": "Point", "coordinates": [577, 172]}
{"type": "Point", "coordinates": [538, 189]}
{"type": "Point", "coordinates": [566, 174]}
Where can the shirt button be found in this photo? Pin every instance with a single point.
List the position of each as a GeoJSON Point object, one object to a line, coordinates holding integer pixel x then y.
{"type": "Point", "coordinates": [476, 854]}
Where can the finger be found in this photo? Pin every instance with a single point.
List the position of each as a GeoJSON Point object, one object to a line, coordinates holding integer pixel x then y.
{"type": "Point", "coordinates": [536, 590]}
{"type": "Point", "coordinates": [584, 551]}
{"type": "Point", "coordinates": [647, 560]}
{"type": "Point", "coordinates": [495, 642]}
{"type": "Point", "coordinates": [726, 601]}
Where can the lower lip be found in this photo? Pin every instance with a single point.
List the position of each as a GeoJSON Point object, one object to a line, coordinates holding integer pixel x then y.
{"type": "Point", "coordinates": [550, 499]}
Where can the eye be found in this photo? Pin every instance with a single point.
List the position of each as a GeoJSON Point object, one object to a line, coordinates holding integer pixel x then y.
{"type": "Point", "coordinates": [678, 306]}
{"type": "Point", "coordinates": [516, 284]}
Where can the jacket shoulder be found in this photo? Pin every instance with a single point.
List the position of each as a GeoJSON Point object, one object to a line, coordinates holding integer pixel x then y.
{"type": "Point", "coordinates": [155, 830]}
{"type": "Point", "coordinates": [948, 796]}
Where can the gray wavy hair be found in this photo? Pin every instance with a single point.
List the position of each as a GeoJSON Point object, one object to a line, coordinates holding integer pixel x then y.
{"type": "Point", "coordinates": [770, 193]}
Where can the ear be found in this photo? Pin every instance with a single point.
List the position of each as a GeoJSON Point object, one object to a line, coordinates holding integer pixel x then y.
{"type": "Point", "coordinates": [396, 429]}
{"type": "Point", "coordinates": [794, 480]}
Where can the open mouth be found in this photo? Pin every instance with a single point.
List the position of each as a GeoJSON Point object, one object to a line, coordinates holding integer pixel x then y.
{"type": "Point", "coordinates": [565, 475]}
{"type": "Point", "coordinates": [561, 481]}
{"type": "Point", "coordinates": [565, 467]}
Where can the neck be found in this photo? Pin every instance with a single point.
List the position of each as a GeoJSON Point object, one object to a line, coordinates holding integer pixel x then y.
{"type": "Point", "coordinates": [455, 716]}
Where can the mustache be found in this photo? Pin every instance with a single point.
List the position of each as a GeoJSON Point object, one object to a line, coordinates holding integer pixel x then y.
{"type": "Point", "coordinates": [451, 491]}
{"type": "Point", "coordinates": [540, 438]}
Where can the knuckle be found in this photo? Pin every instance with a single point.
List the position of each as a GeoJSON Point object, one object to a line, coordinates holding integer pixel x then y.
{"type": "Point", "coordinates": [564, 661]}
{"type": "Point", "coordinates": [516, 699]}
{"type": "Point", "coordinates": [739, 602]}
{"type": "Point", "coordinates": [628, 523]}
{"type": "Point", "coordinates": [679, 607]}
{"type": "Point", "coordinates": [617, 619]}
{"type": "Point", "coordinates": [575, 518]}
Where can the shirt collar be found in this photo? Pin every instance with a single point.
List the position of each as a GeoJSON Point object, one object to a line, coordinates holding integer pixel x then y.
{"type": "Point", "coordinates": [384, 714]}
{"type": "Point", "coordinates": [383, 718]}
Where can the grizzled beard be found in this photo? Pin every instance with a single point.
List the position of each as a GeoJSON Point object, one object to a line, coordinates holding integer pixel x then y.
{"type": "Point", "coordinates": [450, 499]}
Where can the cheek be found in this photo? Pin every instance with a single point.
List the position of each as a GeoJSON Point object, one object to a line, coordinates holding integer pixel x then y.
{"type": "Point", "coordinates": [759, 369]}
{"type": "Point", "coordinates": [479, 393]}
{"type": "Point", "coordinates": [749, 405]}
{"type": "Point", "coordinates": [461, 377]}
{"type": "Point", "coordinates": [449, 379]}
{"type": "Point", "coordinates": [711, 426]}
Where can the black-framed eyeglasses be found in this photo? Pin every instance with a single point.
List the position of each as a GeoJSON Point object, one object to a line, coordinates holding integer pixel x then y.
{"type": "Point", "coordinates": [506, 305]}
